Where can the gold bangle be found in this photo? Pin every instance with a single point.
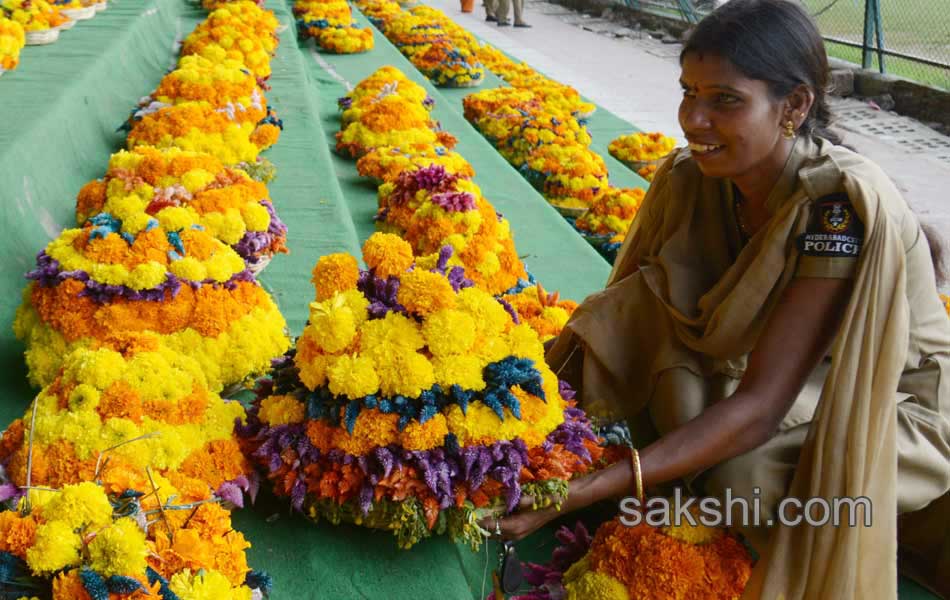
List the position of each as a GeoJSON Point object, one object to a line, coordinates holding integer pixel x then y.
{"type": "Point", "coordinates": [637, 474]}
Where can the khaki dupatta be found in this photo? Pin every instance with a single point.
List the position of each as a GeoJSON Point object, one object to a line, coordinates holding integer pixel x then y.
{"type": "Point", "coordinates": [677, 298]}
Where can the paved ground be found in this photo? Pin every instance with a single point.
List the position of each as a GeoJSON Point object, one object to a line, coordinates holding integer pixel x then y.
{"type": "Point", "coordinates": [635, 76]}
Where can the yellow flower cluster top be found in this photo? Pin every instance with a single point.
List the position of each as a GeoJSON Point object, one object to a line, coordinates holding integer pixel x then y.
{"type": "Point", "coordinates": [330, 23]}
{"type": "Point", "coordinates": [612, 213]}
{"type": "Point", "coordinates": [12, 40]}
{"type": "Point", "coordinates": [240, 31]}
{"type": "Point", "coordinates": [641, 146]}
{"type": "Point", "coordinates": [33, 15]}
{"type": "Point", "coordinates": [387, 111]}
{"type": "Point", "coordinates": [195, 187]}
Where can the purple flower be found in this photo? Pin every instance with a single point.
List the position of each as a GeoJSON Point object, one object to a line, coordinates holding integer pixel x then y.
{"type": "Point", "coordinates": [455, 201]}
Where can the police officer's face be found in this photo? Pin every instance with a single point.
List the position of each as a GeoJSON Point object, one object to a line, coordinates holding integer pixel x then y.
{"type": "Point", "coordinates": [733, 124]}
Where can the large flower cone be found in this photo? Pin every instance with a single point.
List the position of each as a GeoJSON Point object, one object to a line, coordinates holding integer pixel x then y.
{"type": "Point", "coordinates": [111, 414]}
{"type": "Point", "coordinates": [225, 201]}
{"type": "Point", "coordinates": [413, 402]}
{"type": "Point", "coordinates": [94, 286]}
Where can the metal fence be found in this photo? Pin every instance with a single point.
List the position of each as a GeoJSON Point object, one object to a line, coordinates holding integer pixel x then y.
{"type": "Point", "coordinates": [908, 38]}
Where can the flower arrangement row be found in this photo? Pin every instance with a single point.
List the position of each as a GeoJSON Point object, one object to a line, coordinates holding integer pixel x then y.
{"type": "Point", "coordinates": [330, 23]}
{"type": "Point", "coordinates": [122, 471]}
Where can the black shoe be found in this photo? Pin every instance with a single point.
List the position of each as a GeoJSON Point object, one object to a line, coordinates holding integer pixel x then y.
{"type": "Point", "coordinates": [524, 25]}
{"type": "Point", "coordinates": [491, 19]}
{"type": "Point", "coordinates": [503, 23]}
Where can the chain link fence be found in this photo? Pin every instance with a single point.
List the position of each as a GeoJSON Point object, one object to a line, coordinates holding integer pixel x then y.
{"type": "Point", "coordinates": [908, 38]}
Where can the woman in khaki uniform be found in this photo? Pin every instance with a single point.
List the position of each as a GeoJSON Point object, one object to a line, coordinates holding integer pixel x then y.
{"type": "Point", "coordinates": [772, 319]}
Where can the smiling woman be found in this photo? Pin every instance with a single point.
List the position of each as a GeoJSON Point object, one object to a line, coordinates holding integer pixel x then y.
{"type": "Point", "coordinates": [772, 320]}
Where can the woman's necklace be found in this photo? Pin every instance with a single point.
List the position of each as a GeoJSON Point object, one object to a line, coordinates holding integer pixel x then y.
{"type": "Point", "coordinates": [740, 217]}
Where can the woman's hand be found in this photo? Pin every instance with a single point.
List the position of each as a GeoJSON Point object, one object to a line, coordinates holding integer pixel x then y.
{"type": "Point", "coordinates": [522, 523]}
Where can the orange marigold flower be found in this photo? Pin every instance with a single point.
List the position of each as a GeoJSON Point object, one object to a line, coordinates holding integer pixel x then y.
{"type": "Point", "coordinates": [91, 199]}
{"type": "Point", "coordinates": [335, 273]}
{"type": "Point", "coordinates": [424, 292]}
{"type": "Point", "coordinates": [387, 254]}
{"type": "Point", "coordinates": [16, 532]}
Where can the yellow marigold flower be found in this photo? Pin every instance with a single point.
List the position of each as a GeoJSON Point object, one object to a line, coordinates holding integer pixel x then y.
{"type": "Point", "coordinates": [205, 585]}
{"type": "Point", "coordinates": [80, 505]}
{"type": "Point", "coordinates": [146, 276]}
{"type": "Point", "coordinates": [404, 373]}
{"type": "Point", "coordinates": [119, 549]}
{"type": "Point", "coordinates": [524, 343]}
{"type": "Point", "coordinates": [697, 535]}
{"type": "Point", "coordinates": [313, 369]}
{"type": "Point", "coordinates": [449, 332]}
{"type": "Point", "coordinates": [387, 254]}
{"type": "Point", "coordinates": [424, 292]}
{"type": "Point", "coordinates": [55, 547]}
{"type": "Point", "coordinates": [335, 273]}
{"type": "Point", "coordinates": [393, 333]}
{"type": "Point", "coordinates": [83, 397]}
{"type": "Point", "coordinates": [176, 218]}
{"type": "Point", "coordinates": [596, 586]}
{"type": "Point", "coordinates": [460, 369]}
{"type": "Point", "coordinates": [353, 377]}
{"type": "Point", "coordinates": [490, 316]}
{"type": "Point", "coordinates": [281, 410]}
{"type": "Point", "coordinates": [189, 268]}
{"type": "Point", "coordinates": [332, 325]}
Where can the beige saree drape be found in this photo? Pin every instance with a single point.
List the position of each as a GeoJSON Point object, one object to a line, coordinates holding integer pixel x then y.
{"type": "Point", "coordinates": [680, 301]}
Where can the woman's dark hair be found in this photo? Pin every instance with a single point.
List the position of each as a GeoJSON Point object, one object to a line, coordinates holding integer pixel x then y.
{"type": "Point", "coordinates": [774, 41]}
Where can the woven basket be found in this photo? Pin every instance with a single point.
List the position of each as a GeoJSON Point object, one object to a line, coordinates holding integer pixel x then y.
{"type": "Point", "coordinates": [66, 26]}
{"type": "Point", "coordinates": [101, 6]}
{"type": "Point", "coordinates": [80, 14]}
{"type": "Point", "coordinates": [42, 37]}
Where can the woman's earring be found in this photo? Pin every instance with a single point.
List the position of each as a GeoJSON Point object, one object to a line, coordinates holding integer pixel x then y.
{"type": "Point", "coordinates": [789, 131]}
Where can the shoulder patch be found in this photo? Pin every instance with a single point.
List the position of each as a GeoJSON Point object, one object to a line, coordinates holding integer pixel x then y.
{"type": "Point", "coordinates": [834, 229]}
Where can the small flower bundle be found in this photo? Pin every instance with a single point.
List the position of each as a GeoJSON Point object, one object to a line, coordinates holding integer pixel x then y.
{"type": "Point", "coordinates": [393, 115]}
{"type": "Point", "coordinates": [33, 15]}
{"type": "Point", "coordinates": [611, 213]}
{"type": "Point", "coordinates": [413, 34]}
{"type": "Point", "coordinates": [84, 543]}
{"type": "Point", "coordinates": [330, 23]}
{"type": "Point", "coordinates": [115, 416]}
{"type": "Point", "coordinates": [12, 40]}
{"type": "Point", "coordinates": [240, 31]}
{"type": "Point", "coordinates": [655, 563]}
{"type": "Point", "coordinates": [380, 12]}
{"type": "Point", "coordinates": [386, 163]}
{"type": "Point", "coordinates": [569, 175]}
{"type": "Point", "coordinates": [198, 127]}
{"type": "Point", "coordinates": [546, 313]}
{"type": "Point", "coordinates": [162, 274]}
{"type": "Point", "coordinates": [414, 402]}
{"type": "Point", "coordinates": [230, 205]}
{"type": "Point", "coordinates": [447, 65]}
{"type": "Point", "coordinates": [227, 87]}
{"type": "Point", "coordinates": [431, 208]}
{"type": "Point", "coordinates": [647, 171]}
{"type": "Point", "coordinates": [638, 148]}
{"type": "Point", "coordinates": [385, 81]}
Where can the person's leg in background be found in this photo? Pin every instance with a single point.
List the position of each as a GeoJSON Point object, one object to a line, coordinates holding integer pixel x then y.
{"type": "Point", "coordinates": [501, 12]}
{"type": "Point", "coordinates": [519, 13]}
{"type": "Point", "coordinates": [490, 7]}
